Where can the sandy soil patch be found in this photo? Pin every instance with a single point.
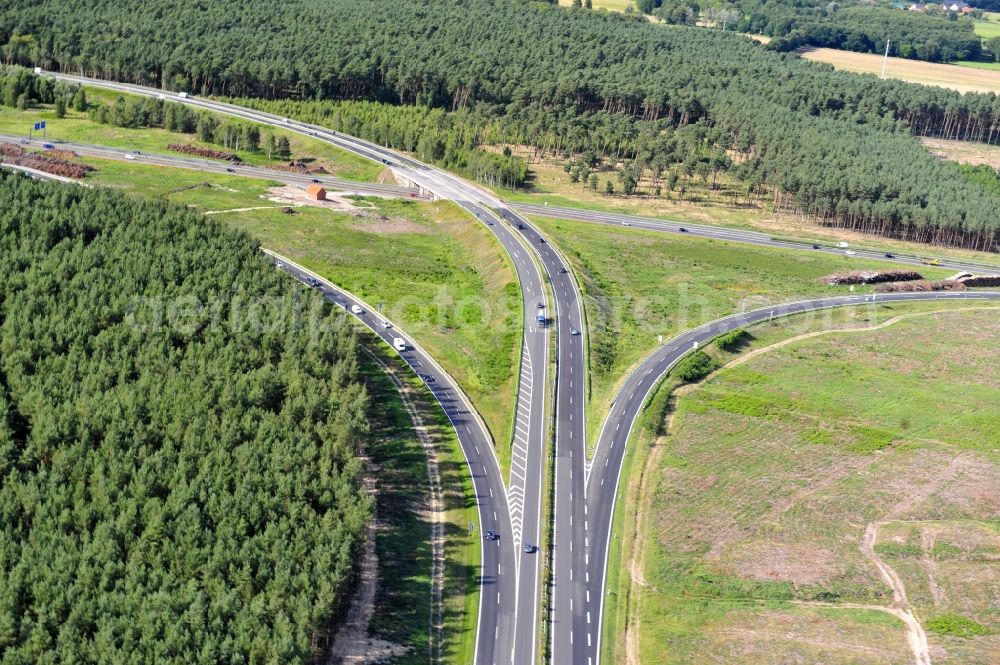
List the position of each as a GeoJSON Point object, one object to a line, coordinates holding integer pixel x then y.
{"type": "Point", "coordinates": [796, 562]}
{"type": "Point", "coordinates": [294, 196]}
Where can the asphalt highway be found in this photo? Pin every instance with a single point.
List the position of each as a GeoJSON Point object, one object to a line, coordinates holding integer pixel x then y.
{"type": "Point", "coordinates": [605, 471]}
{"type": "Point", "coordinates": [585, 492]}
{"type": "Point", "coordinates": [736, 235]}
{"type": "Point", "coordinates": [215, 166]}
{"type": "Point", "coordinates": [507, 628]}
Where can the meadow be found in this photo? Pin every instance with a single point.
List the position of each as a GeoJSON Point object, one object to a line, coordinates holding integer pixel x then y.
{"type": "Point", "coordinates": [769, 491]}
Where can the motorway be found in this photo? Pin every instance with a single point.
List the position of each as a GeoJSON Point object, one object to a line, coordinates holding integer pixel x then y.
{"type": "Point", "coordinates": [507, 628]}
{"type": "Point", "coordinates": [215, 166]}
{"type": "Point", "coordinates": [734, 235]}
{"type": "Point", "coordinates": [605, 471]}
{"type": "Point", "coordinates": [585, 492]}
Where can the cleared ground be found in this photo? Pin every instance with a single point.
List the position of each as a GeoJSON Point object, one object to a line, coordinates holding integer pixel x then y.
{"type": "Point", "coordinates": [963, 79]}
{"type": "Point", "coordinates": [787, 480]}
{"type": "Point", "coordinates": [964, 152]}
{"type": "Point", "coordinates": [640, 284]}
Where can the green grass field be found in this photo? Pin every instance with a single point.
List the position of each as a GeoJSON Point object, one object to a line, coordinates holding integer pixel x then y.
{"type": "Point", "coordinates": [752, 509]}
{"type": "Point", "coordinates": [403, 541]}
{"type": "Point", "coordinates": [988, 27]}
{"type": "Point", "coordinates": [76, 127]}
{"type": "Point", "coordinates": [638, 285]}
{"type": "Point", "coordinates": [977, 64]}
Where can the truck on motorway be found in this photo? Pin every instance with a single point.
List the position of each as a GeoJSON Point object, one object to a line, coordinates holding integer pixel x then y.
{"type": "Point", "coordinates": [399, 343]}
{"type": "Point", "coordinates": [183, 95]}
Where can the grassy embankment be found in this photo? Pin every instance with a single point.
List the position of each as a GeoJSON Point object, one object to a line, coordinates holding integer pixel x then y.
{"type": "Point", "coordinates": [403, 541]}
{"type": "Point", "coordinates": [700, 204]}
{"type": "Point", "coordinates": [640, 284]}
{"type": "Point", "coordinates": [77, 128]}
{"type": "Point", "coordinates": [438, 273]}
{"type": "Point", "coordinates": [752, 509]}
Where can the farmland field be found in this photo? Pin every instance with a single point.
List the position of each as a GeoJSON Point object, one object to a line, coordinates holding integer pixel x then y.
{"type": "Point", "coordinates": [784, 481]}
{"type": "Point", "coordinates": [963, 79]}
{"type": "Point", "coordinates": [611, 5]}
{"type": "Point", "coordinates": [988, 27]}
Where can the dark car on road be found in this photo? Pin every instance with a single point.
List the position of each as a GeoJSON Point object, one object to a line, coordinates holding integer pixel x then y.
{"type": "Point", "coordinates": [529, 548]}
{"type": "Point", "coordinates": [491, 535]}
{"type": "Point", "coordinates": [817, 247]}
{"type": "Point", "coordinates": [682, 230]}
{"type": "Point", "coordinates": [889, 256]}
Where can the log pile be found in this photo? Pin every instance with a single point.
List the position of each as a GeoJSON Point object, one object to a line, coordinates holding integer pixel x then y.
{"type": "Point", "coordinates": [922, 285]}
{"type": "Point", "coordinates": [870, 277]}
{"type": "Point", "coordinates": [204, 152]}
{"type": "Point", "coordinates": [45, 162]}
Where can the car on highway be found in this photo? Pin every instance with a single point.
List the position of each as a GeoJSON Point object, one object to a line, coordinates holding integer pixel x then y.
{"type": "Point", "coordinates": [492, 535]}
{"type": "Point", "coordinates": [386, 324]}
{"type": "Point", "coordinates": [889, 255]}
{"type": "Point", "coordinates": [284, 120]}
{"type": "Point", "coordinates": [850, 252]}
{"type": "Point", "coordinates": [817, 247]}
{"type": "Point", "coordinates": [488, 222]}
{"type": "Point", "coordinates": [682, 230]}
{"type": "Point", "coordinates": [313, 282]}
{"type": "Point", "coordinates": [356, 309]}
{"type": "Point", "coordinates": [48, 146]}
{"type": "Point", "coordinates": [428, 378]}
{"type": "Point", "coordinates": [399, 343]}
{"type": "Point", "coordinates": [540, 305]}
{"type": "Point", "coordinates": [529, 548]}
{"type": "Point", "coordinates": [626, 224]}
{"type": "Point", "coordinates": [129, 156]}
{"type": "Point", "coordinates": [230, 170]}
{"type": "Point", "coordinates": [279, 265]}
{"type": "Point", "coordinates": [541, 240]}
{"type": "Point", "coordinates": [316, 180]}
{"type": "Point", "coordinates": [563, 271]}
{"type": "Point", "coordinates": [931, 262]}
{"type": "Point", "coordinates": [574, 331]}
{"type": "Point", "coordinates": [520, 226]}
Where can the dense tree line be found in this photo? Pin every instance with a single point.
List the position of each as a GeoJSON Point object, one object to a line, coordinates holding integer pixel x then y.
{"type": "Point", "coordinates": [175, 488]}
{"type": "Point", "coordinates": [846, 25]}
{"type": "Point", "coordinates": [865, 29]}
{"type": "Point", "coordinates": [560, 75]}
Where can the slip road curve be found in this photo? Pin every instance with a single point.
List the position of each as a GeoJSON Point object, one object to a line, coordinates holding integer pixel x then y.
{"type": "Point", "coordinates": [605, 471]}
{"type": "Point", "coordinates": [506, 629]}
{"type": "Point", "coordinates": [216, 166]}
{"type": "Point", "coordinates": [476, 443]}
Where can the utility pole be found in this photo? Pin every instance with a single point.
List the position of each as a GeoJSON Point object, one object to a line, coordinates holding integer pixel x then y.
{"type": "Point", "coordinates": [885, 58]}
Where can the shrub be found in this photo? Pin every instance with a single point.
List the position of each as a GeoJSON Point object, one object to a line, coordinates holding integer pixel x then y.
{"type": "Point", "coordinates": [695, 367]}
{"type": "Point", "coordinates": [733, 339]}
{"type": "Point", "coordinates": [955, 625]}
